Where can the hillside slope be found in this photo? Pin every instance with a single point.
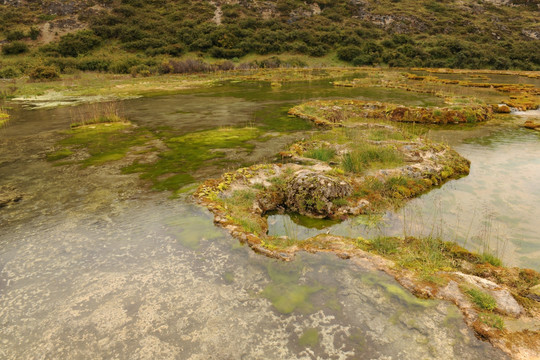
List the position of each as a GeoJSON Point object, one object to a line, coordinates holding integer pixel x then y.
{"type": "Point", "coordinates": [498, 34]}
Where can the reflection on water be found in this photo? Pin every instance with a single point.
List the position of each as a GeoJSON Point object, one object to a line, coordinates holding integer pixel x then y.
{"type": "Point", "coordinates": [496, 206]}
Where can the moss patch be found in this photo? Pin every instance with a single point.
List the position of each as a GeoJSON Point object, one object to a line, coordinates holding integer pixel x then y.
{"type": "Point", "coordinates": [104, 142]}
{"type": "Point", "coordinates": [187, 153]}
{"type": "Point", "coordinates": [309, 338]}
{"type": "Point", "coordinates": [59, 154]}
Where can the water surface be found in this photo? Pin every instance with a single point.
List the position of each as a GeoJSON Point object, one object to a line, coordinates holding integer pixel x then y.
{"type": "Point", "coordinates": [95, 265]}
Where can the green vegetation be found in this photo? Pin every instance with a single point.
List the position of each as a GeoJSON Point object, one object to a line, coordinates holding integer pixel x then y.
{"type": "Point", "coordinates": [493, 320]}
{"type": "Point", "coordinates": [491, 259]}
{"type": "Point", "coordinates": [4, 117]}
{"type": "Point", "coordinates": [186, 153]}
{"type": "Point", "coordinates": [138, 37]}
{"type": "Point", "coordinates": [365, 156]}
{"type": "Point", "coordinates": [384, 245]}
{"type": "Point", "coordinates": [426, 256]}
{"type": "Point", "coordinates": [239, 204]}
{"type": "Point", "coordinates": [322, 154]}
{"type": "Point", "coordinates": [59, 154]}
{"type": "Point", "coordinates": [285, 292]}
{"type": "Point", "coordinates": [482, 299]}
{"type": "Point", "coordinates": [104, 142]}
{"type": "Point", "coordinates": [310, 337]}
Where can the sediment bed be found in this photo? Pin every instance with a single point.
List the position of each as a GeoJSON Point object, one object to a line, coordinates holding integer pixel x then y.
{"type": "Point", "coordinates": [360, 167]}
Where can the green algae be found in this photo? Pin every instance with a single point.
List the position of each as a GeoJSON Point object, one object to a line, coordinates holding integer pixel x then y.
{"type": "Point", "coordinates": [309, 338]}
{"type": "Point", "coordinates": [285, 292]}
{"type": "Point", "coordinates": [104, 142]}
{"type": "Point", "coordinates": [405, 297]}
{"type": "Point", "coordinates": [59, 154]}
{"type": "Point", "coordinates": [228, 277]}
{"type": "Point", "coordinates": [287, 298]}
{"type": "Point", "coordinates": [395, 291]}
{"type": "Point", "coordinates": [187, 230]}
{"type": "Point", "coordinates": [187, 153]}
{"type": "Point", "coordinates": [272, 118]}
{"type": "Point", "coordinates": [312, 223]}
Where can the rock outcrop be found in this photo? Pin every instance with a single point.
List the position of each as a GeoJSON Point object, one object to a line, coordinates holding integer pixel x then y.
{"type": "Point", "coordinates": [314, 194]}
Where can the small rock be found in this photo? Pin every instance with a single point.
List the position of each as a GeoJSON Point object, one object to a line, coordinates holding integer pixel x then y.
{"type": "Point", "coordinates": [9, 195]}
{"type": "Point", "coordinates": [529, 124]}
{"type": "Point", "coordinates": [502, 109]}
{"type": "Point", "coordinates": [504, 299]}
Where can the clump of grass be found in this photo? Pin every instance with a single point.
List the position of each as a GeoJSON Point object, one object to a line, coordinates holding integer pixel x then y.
{"type": "Point", "coordinates": [322, 154]}
{"type": "Point", "coordinates": [491, 259]}
{"type": "Point", "coordinates": [239, 207]}
{"type": "Point", "coordinates": [385, 134]}
{"type": "Point", "coordinates": [366, 156]}
{"type": "Point", "coordinates": [493, 320]}
{"type": "Point", "coordinates": [482, 299]}
{"type": "Point", "coordinates": [4, 117]}
{"type": "Point", "coordinates": [102, 113]}
{"type": "Point", "coordinates": [425, 255]}
{"type": "Point", "coordinates": [384, 245]}
{"type": "Point", "coordinates": [340, 202]}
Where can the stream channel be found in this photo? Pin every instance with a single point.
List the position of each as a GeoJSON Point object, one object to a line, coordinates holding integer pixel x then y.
{"type": "Point", "coordinates": [95, 265]}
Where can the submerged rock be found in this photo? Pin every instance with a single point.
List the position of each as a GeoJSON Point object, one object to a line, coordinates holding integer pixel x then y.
{"type": "Point", "coordinates": [529, 124]}
{"type": "Point", "coordinates": [9, 195]}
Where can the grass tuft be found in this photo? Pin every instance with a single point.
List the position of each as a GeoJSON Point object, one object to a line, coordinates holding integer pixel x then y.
{"type": "Point", "coordinates": [367, 156]}
{"type": "Point", "coordinates": [482, 299]}
{"type": "Point", "coordinates": [493, 320]}
{"type": "Point", "coordinates": [491, 259]}
{"type": "Point", "coordinates": [322, 154]}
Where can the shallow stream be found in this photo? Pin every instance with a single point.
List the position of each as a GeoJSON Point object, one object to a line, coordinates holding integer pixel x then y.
{"type": "Point", "coordinates": [94, 265]}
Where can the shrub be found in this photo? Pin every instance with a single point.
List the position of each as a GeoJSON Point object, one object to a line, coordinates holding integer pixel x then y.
{"type": "Point", "coordinates": [93, 64]}
{"type": "Point", "coordinates": [79, 43]}
{"type": "Point", "coordinates": [187, 66]}
{"type": "Point", "coordinates": [123, 66]}
{"type": "Point", "coordinates": [141, 70]}
{"type": "Point", "coordinates": [348, 53]}
{"type": "Point", "coordinates": [363, 59]}
{"type": "Point", "coordinates": [14, 48]}
{"type": "Point", "coordinates": [15, 35]}
{"type": "Point", "coordinates": [9, 72]}
{"type": "Point", "coordinates": [42, 72]}
{"type": "Point", "coordinates": [34, 33]}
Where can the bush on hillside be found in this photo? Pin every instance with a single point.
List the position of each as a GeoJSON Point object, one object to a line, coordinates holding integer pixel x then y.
{"type": "Point", "coordinates": [42, 72]}
{"type": "Point", "coordinates": [78, 43]}
{"type": "Point", "coordinates": [14, 48]}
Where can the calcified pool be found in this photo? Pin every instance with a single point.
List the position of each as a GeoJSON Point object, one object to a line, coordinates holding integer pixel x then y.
{"type": "Point", "coordinates": [95, 265]}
